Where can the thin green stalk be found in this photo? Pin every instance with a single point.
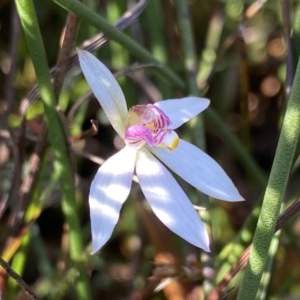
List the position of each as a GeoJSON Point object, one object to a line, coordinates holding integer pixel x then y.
{"type": "Point", "coordinates": [187, 39]}
{"type": "Point", "coordinates": [62, 163]}
{"type": "Point", "coordinates": [274, 194]}
{"type": "Point", "coordinates": [118, 36]}
{"type": "Point", "coordinates": [212, 44]}
{"type": "Point", "coordinates": [18, 265]}
{"type": "Point", "coordinates": [190, 63]}
{"type": "Point", "coordinates": [120, 58]}
{"type": "Point", "coordinates": [156, 38]}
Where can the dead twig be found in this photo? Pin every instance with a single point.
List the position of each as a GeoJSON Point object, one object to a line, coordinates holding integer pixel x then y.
{"type": "Point", "coordinates": [18, 279]}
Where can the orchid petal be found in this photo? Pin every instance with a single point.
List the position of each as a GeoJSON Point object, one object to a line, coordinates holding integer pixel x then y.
{"type": "Point", "coordinates": [109, 189]}
{"type": "Point", "coordinates": [180, 111]}
{"type": "Point", "coordinates": [106, 89]}
{"type": "Point", "coordinates": [168, 201]}
{"type": "Point", "coordinates": [199, 170]}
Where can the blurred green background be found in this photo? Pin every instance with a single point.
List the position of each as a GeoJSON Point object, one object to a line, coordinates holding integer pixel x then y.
{"type": "Point", "coordinates": [236, 53]}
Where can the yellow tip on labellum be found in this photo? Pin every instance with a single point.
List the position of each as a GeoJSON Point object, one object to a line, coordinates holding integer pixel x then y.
{"type": "Point", "coordinates": [174, 144]}
{"type": "Point", "coordinates": [171, 141]}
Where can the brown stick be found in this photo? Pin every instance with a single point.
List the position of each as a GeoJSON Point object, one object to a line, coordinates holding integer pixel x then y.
{"type": "Point", "coordinates": [18, 279]}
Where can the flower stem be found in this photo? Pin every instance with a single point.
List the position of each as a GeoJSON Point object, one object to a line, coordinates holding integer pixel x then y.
{"type": "Point", "coordinates": [273, 195]}
{"type": "Point", "coordinates": [62, 163]}
{"type": "Point", "coordinates": [190, 60]}
{"type": "Point", "coordinates": [190, 63]}
{"type": "Point", "coordinates": [157, 40]}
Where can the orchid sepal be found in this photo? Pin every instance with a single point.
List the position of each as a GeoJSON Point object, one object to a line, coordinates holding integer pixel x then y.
{"type": "Point", "coordinates": [106, 89]}
{"type": "Point", "coordinates": [199, 170]}
{"type": "Point", "coordinates": [108, 191]}
{"type": "Point", "coordinates": [169, 202]}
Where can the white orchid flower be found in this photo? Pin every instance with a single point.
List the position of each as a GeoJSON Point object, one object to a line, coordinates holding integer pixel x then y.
{"type": "Point", "coordinates": [151, 143]}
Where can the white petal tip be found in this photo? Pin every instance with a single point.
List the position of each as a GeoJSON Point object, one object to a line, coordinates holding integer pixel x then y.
{"type": "Point", "coordinates": [233, 198]}
{"type": "Point", "coordinates": [204, 100]}
{"type": "Point", "coordinates": [95, 250]}
{"type": "Point", "coordinates": [199, 243]}
{"type": "Point", "coordinates": [81, 52]}
{"type": "Point", "coordinates": [98, 245]}
{"type": "Point", "coordinates": [198, 240]}
{"type": "Point", "coordinates": [205, 248]}
{"type": "Point", "coordinates": [203, 241]}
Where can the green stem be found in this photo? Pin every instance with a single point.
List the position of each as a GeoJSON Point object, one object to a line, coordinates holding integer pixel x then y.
{"type": "Point", "coordinates": [274, 194]}
{"type": "Point", "coordinates": [190, 63]}
{"type": "Point", "coordinates": [120, 58]}
{"type": "Point", "coordinates": [156, 38]}
{"type": "Point", "coordinates": [18, 265]}
{"type": "Point", "coordinates": [266, 277]}
{"type": "Point", "coordinates": [62, 163]}
{"type": "Point", "coordinates": [186, 35]}
{"type": "Point", "coordinates": [118, 36]}
{"type": "Point", "coordinates": [190, 59]}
